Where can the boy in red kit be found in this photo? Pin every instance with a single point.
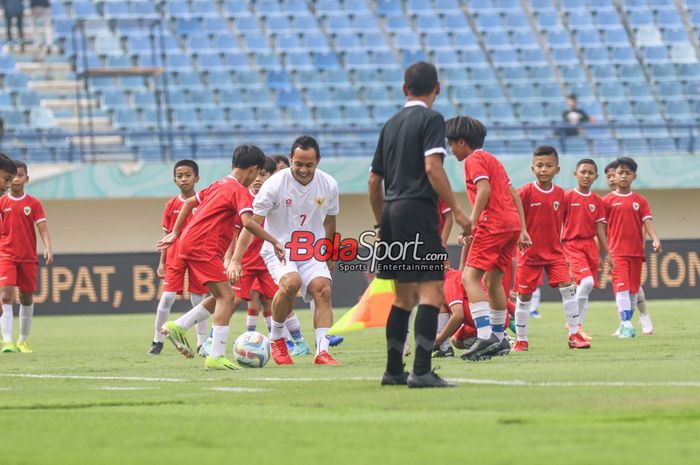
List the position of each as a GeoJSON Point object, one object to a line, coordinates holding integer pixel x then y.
{"type": "Point", "coordinates": [204, 243]}
{"type": "Point", "coordinates": [499, 227]}
{"type": "Point", "coordinates": [7, 173]}
{"type": "Point", "coordinates": [171, 268]}
{"type": "Point", "coordinates": [644, 316]}
{"type": "Point", "coordinates": [22, 216]}
{"type": "Point", "coordinates": [545, 210]}
{"type": "Point", "coordinates": [584, 222]}
{"type": "Point", "coordinates": [629, 217]}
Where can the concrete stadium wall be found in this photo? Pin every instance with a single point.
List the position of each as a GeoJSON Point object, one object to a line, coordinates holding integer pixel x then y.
{"type": "Point", "coordinates": [133, 225]}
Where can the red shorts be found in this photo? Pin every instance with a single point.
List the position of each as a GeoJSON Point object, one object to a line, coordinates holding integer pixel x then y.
{"type": "Point", "coordinates": [206, 272]}
{"type": "Point", "coordinates": [527, 276]}
{"type": "Point", "coordinates": [627, 274]}
{"type": "Point", "coordinates": [174, 280]}
{"type": "Point", "coordinates": [259, 281]}
{"type": "Point", "coordinates": [490, 251]}
{"type": "Point", "coordinates": [20, 274]}
{"type": "Point", "coordinates": [583, 258]}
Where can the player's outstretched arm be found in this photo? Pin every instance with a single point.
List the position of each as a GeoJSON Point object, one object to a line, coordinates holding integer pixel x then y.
{"type": "Point", "coordinates": [655, 241]}
{"type": "Point", "coordinates": [452, 325]}
{"type": "Point", "coordinates": [441, 185]}
{"type": "Point", "coordinates": [185, 211]}
{"type": "Point", "coordinates": [46, 239]}
{"type": "Point", "coordinates": [524, 242]}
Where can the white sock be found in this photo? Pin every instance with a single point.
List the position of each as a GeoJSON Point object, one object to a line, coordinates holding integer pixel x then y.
{"type": "Point", "coordinates": [191, 318]}
{"type": "Point", "coordinates": [251, 322]}
{"type": "Point", "coordinates": [641, 302]}
{"type": "Point", "coordinates": [277, 330]}
{"type": "Point", "coordinates": [6, 322]}
{"type": "Point", "coordinates": [287, 334]}
{"type": "Point", "coordinates": [167, 299]}
{"type": "Point", "coordinates": [522, 315]}
{"type": "Point", "coordinates": [202, 331]}
{"type": "Point", "coordinates": [268, 323]}
{"type": "Point", "coordinates": [498, 323]}
{"type": "Point", "coordinates": [480, 315]}
{"type": "Point", "coordinates": [321, 340]}
{"type": "Point", "coordinates": [535, 301]}
{"type": "Point", "coordinates": [196, 299]}
{"type": "Point", "coordinates": [634, 300]}
{"type": "Point", "coordinates": [568, 298]}
{"type": "Point", "coordinates": [26, 312]}
{"type": "Point", "coordinates": [294, 328]}
{"type": "Point", "coordinates": [443, 318]}
{"type": "Point", "coordinates": [219, 341]}
{"type": "Point", "coordinates": [624, 303]}
{"type": "Point", "coordinates": [583, 291]}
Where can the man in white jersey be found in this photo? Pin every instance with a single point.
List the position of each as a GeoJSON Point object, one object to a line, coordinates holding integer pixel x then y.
{"type": "Point", "coordinates": [300, 198]}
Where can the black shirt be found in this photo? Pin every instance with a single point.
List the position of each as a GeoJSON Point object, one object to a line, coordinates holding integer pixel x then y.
{"type": "Point", "coordinates": [406, 139]}
{"type": "Point", "coordinates": [575, 116]}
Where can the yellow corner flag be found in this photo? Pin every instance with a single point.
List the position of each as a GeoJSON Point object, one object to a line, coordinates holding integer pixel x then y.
{"type": "Point", "coordinates": [372, 310]}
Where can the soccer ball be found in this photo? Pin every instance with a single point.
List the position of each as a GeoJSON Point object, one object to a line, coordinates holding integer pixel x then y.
{"type": "Point", "coordinates": [252, 350]}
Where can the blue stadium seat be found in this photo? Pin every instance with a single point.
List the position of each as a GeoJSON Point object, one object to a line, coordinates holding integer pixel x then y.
{"type": "Point", "coordinates": [385, 7]}
{"type": "Point", "coordinates": [143, 9]}
{"type": "Point", "coordinates": [299, 115]}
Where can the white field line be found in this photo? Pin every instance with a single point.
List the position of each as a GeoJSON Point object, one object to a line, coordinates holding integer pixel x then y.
{"type": "Point", "coordinates": [126, 388]}
{"type": "Point", "coordinates": [237, 389]}
{"type": "Point", "coordinates": [491, 382]}
{"type": "Point", "coordinates": [99, 378]}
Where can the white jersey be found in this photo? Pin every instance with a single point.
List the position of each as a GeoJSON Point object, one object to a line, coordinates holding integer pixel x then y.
{"type": "Point", "coordinates": [289, 206]}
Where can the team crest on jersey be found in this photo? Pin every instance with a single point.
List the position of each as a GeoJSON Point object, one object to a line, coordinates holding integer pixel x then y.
{"type": "Point", "coordinates": [635, 205]}
{"type": "Point", "coordinates": [288, 202]}
{"type": "Point", "coordinates": [319, 201]}
{"type": "Point", "coordinates": [27, 210]}
{"type": "Point", "coordinates": [591, 207]}
{"type": "Point", "coordinates": [556, 205]}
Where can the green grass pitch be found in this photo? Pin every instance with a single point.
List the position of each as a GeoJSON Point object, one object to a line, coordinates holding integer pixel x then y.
{"type": "Point", "coordinates": [97, 398]}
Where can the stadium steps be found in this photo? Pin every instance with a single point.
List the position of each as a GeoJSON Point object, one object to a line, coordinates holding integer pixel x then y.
{"type": "Point", "coordinates": [67, 104]}
{"type": "Point", "coordinates": [47, 70]}
{"type": "Point", "coordinates": [688, 25]}
{"type": "Point", "coordinates": [72, 123]}
{"type": "Point", "coordinates": [625, 20]}
{"type": "Point", "coordinates": [579, 54]}
{"type": "Point", "coordinates": [99, 140]}
{"type": "Point", "coordinates": [532, 20]}
{"type": "Point", "coordinates": [55, 85]}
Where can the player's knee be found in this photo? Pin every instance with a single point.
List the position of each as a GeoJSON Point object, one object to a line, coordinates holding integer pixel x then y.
{"type": "Point", "coordinates": [290, 284]}
{"type": "Point", "coordinates": [322, 292]}
{"type": "Point", "coordinates": [7, 295]}
{"type": "Point", "coordinates": [525, 297]}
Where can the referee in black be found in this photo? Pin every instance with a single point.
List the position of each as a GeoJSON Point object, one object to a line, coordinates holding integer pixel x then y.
{"type": "Point", "coordinates": [409, 159]}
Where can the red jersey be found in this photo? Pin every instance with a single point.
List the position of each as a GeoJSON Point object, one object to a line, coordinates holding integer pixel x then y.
{"type": "Point", "coordinates": [172, 211]}
{"type": "Point", "coordinates": [583, 212]}
{"type": "Point", "coordinates": [626, 214]}
{"type": "Point", "coordinates": [500, 214]}
{"type": "Point", "coordinates": [251, 258]}
{"type": "Point", "coordinates": [20, 217]}
{"type": "Point", "coordinates": [209, 233]}
{"type": "Point", "coordinates": [443, 210]}
{"type": "Point", "coordinates": [544, 217]}
{"type": "Point", "coordinates": [454, 290]}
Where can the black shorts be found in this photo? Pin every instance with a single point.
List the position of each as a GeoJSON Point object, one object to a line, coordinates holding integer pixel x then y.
{"type": "Point", "coordinates": [407, 222]}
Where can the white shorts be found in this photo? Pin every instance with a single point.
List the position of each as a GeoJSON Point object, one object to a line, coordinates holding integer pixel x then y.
{"type": "Point", "coordinates": [308, 271]}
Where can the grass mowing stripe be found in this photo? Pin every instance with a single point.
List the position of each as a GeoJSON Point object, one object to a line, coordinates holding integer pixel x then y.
{"type": "Point", "coordinates": [104, 378]}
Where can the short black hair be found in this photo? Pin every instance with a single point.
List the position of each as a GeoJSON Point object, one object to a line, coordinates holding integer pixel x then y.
{"type": "Point", "coordinates": [572, 96]}
{"type": "Point", "coordinates": [611, 166]}
{"type": "Point", "coordinates": [305, 143]}
{"type": "Point", "coordinates": [545, 150]}
{"type": "Point", "coordinates": [282, 159]}
{"type": "Point", "coordinates": [20, 164]}
{"type": "Point", "coordinates": [247, 156]}
{"type": "Point", "coordinates": [270, 165]}
{"type": "Point", "coordinates": [628, 162]}
{"type": "Point", "coordinates": [469, 129]}
{"type": "Point", "coordinates": [421, 78]}
{"type": "Point", "coordinates": [587, 161]}
{"type": "Point", "coordinates": [191, 163]}
{"type": "Point", "coordinates": [7, 164]}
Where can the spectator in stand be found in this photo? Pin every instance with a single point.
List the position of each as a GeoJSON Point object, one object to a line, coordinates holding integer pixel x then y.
{"type": "Point", "coordinates": [41, 13]}
{"type": "Point", "coordinates": [14, 9]}
{"type": "Point", "coordinates": [574, 117]}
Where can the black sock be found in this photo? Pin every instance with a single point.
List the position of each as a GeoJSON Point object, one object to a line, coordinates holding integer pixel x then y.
{"type": "Point", "coordinates": [426, 329]}
{"type": "Point", "coordinates": [396, 330]}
